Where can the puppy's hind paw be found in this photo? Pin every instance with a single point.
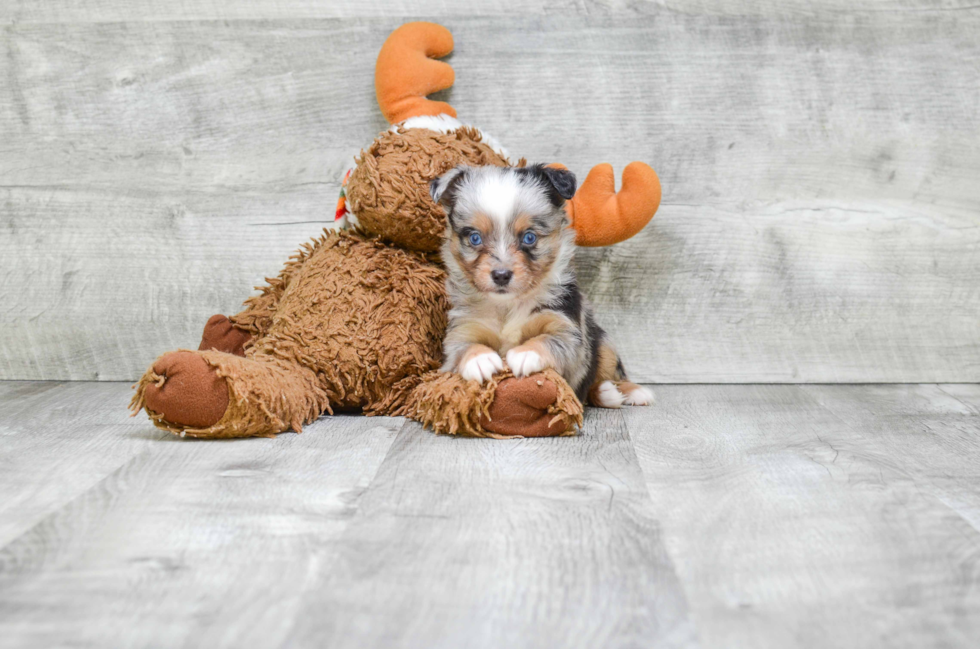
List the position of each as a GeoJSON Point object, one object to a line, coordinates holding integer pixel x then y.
{"type": "Point", "coordinates": [607, 395]}
{"type": "Point", "coordinates": [636, 395]}
{"type": "Point", "coordinates": [615, 394]}
{"type": "Point", "coordinates": [481, 367]}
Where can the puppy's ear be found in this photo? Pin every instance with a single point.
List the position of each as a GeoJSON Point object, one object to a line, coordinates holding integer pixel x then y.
{"type": "Point", "coordinates": [443, 189]}
{"type": "Point", "coordinates": [562, 181]}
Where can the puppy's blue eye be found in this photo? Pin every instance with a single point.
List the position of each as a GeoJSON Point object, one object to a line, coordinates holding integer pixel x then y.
{"type": "Point", "coordinates": [529, 239]}
{"type": "Point", "coordinates": [475, 239]}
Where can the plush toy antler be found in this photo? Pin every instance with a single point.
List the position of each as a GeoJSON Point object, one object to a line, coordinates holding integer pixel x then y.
{"type": "Point", "coordinates": [406, 72]}
{"type": "Point", "coordinates": [602, 217]}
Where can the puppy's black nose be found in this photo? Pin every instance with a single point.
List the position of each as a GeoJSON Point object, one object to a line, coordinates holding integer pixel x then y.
{"type": "Point", "coordinates": [501, 277]}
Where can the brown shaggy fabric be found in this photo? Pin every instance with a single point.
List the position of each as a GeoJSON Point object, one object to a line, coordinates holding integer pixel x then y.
{"type": "Point", "coordinates": [504, 406]}
{"type": "Point", "coordinates": [355, 318]}
{"type": "Point", "coordinates": [388, 191]}
{"type": "Point", "coordinates": [265, 397]}
{"type": "Point", "coordinates": [362, 315]}
{"type": "Point", "coordinates": [352, 322]}
{"type": "Point", "coordinates": [260, 309]}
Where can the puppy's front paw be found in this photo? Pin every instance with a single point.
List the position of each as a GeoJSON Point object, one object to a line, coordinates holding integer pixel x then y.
{"type": "Point", "coordinates": [481, 367]}
{"type": "Point", "coordinates": [524, 362]}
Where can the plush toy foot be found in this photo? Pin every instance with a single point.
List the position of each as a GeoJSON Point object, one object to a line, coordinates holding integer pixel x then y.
{"type": "Point", "coordinates": [522, 407]}
{"type": "Point", "coordinates": [221, 335]}
{"type": "Point", "coordinates": [188, 393]}
{"type": "Point", "coordinates": [215, 395]}
{"type": "Point", "coordinates": [535, 406]}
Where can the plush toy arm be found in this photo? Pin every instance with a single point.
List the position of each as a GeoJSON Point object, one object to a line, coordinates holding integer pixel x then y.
{"type": "Point", "coordinates": [256, 318]}
{"type": "Point", "coordinates": [405, 72]}
{"type": "Point", "coordinates": [601, 217]}
{"type": "Point", "coordinates": [540, 405]}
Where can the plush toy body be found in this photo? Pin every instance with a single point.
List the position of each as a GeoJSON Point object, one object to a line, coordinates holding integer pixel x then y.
{"type": "Point", "coordinates": [355, 320]}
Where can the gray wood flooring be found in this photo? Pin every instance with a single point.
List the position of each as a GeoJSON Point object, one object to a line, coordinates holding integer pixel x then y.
{"type": "Point", "coordinates": [821, 215]}
{"type": "Point", "coordinates": [723, 516]}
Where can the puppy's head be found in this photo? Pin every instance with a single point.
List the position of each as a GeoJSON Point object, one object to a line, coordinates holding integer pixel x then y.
{"type": "Point", "coordinates": [507, 229]}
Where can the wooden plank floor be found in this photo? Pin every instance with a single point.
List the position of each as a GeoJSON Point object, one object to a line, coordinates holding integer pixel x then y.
{"type": "Point", "coordinates": [724, 516]}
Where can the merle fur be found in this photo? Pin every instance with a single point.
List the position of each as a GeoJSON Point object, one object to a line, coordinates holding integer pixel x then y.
{"type": "Point", "coordinates": [557, 182]}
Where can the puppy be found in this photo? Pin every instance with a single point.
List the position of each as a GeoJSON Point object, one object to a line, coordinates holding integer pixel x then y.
{"type": "Point", "coordinates": [508, 252]}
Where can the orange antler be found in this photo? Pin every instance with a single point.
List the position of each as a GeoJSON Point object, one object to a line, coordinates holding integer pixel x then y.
{"type": "Point", "coordinates": [405, 72]}
{"type": "Point", "coordinates": [601, 217]}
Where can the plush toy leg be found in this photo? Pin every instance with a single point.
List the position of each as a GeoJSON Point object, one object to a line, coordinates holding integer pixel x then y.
{"type": "Point", "coordinates": [216, 394]}
{"type": "Point", "coordinates": [355, 327]}
{"type": "Point", "coordinates": [256, 317]}
{"type": "Point", "coordinates": [221, 334]}
{"type": "Point", "coordinates": [536, 406]}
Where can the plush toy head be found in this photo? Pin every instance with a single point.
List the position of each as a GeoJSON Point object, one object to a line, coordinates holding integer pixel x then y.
{"type": "Point", "coordinates": [388, 191]}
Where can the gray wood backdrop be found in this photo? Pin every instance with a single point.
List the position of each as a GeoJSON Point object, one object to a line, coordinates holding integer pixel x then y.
{"type": "Point", "coordinates": [820, 165]}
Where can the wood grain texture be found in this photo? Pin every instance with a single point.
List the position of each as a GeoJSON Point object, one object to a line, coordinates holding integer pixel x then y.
{"type": "Point", "coordinates": [933, 431]}
{"type": "Point", "coordinates": [534, 543]}
{"type": "Point", "coordinates": [819, 516]}
{"type": "Point", "coordinates": [821, 217]}
{"type": "Point", "coordinates": [93, 11]}
{"type": "Point", "coordinates": [45, 464]}
{"type": "Point", "coordinates": [526, 543]}
{"type": "Point", "coordinates": [184, 544]}
{"type": "Point", "coordinates": [86, 11]}
{"type": "Point", "coordinates": [756, 516]}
